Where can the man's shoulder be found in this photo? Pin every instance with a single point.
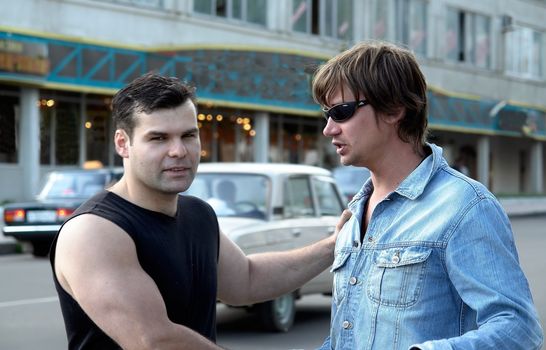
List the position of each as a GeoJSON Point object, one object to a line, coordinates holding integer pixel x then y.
{"type": "Point", "coordinates": [457, 193]}
{"type": "Point", "coordinates": [88, 225]}
{"type": "Point", "coordinates": [461, 184]}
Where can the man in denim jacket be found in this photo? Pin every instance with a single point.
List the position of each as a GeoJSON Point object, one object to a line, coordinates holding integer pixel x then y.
{"type": "Point", "coordinates": [427, 260]}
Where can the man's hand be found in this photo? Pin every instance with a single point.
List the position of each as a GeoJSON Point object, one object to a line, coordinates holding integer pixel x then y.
{"type": "Point", "coordinates": [345, 216]}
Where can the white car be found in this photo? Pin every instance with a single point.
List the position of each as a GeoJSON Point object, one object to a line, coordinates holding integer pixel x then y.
{"type": "Point", "coordinates": [273, 207]}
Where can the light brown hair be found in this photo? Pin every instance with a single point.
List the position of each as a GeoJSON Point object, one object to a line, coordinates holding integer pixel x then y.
{"type": "Point", "coordinates": [387, 76]}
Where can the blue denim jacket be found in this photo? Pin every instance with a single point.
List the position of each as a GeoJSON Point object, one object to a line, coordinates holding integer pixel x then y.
{"type": "Point", "coordinates": [437, 269]}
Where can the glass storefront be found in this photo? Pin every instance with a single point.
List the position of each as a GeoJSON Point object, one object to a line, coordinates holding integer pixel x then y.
{"type": "Point", "coordinates": [9, 107]}
{"type": "Point", "coordinates": [61, 128]}
{"type": "Point", "coordinates": [98, 130]}
{"type": "Point", "coordinates": [75, 128]}
{"type": "Point", "coordinates": [228, 135]}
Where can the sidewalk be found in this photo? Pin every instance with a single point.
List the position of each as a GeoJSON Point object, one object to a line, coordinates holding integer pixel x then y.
{"type": "Point", "coordinates": [516, 206]}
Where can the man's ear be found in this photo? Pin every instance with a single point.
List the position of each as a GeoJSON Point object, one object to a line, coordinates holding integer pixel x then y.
{"type": "Point", "coordinates": [122, 143]}
{"type": "Point", "coordinates": [395, 117]}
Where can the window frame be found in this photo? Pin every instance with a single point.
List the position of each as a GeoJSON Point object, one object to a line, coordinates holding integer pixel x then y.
{"type": "Point", "coordinates": [467, 35]}
{"type": "Point", "coordinates": [529, 74]}
{"type": "Point", "coordinates": [399, 23]}
{"type": "Point", "coordinates": [229, 16]}
{"type": "Point", "coordinates": [288, 204]}
{"type": "Point", "coordinates": [324, 29]}
{"type": "Point", "coordinates": [329, 183]}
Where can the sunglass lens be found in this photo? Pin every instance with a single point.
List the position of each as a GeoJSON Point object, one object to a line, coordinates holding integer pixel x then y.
{"type": "Point", "coordinates": [342, 112]}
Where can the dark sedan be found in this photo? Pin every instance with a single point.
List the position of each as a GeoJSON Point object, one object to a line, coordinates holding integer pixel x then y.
{"type": "Point", "coordinates": [38, 221]}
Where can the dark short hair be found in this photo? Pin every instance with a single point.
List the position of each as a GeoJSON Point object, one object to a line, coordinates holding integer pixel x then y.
{"type": "Point", "coordinates": [387, 76]}
{"type": "Point", "coordinates": [146, 94]}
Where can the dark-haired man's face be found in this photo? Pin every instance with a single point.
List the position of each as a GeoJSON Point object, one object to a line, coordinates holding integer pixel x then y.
{"type": "Point", "coordinates": [361, 139]}
{"type": "Point", "coordinates": [165, 149]}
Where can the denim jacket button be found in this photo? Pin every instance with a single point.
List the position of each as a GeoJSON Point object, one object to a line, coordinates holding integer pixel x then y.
{"type": "Point", "coordinates": [395, 259]}
{"type": "Point", "coordinates": [355, 243]}
{"type": "Point", "coordinates": [352, 280]}
{"type": "Point", "coordinates": [346, 324]}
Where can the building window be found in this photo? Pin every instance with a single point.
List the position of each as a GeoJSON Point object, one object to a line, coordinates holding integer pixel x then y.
{"type": "Point", "coordinates": [227, 135]}
{"type": "Point", "coordinates": [59, 132]}
{"type": "Point", "coordinates": [296, 140]}
{"type": "Point", "coordinates": [403, 22]}
{"type": "Point", "coordinates": [330, 18]}
{"type": "Point", "coordinates": [468, 38]}
{"type": "Point", "coordinates": [524, 54]}
{"type": "Point", "coordinates": [8, 129]}
{"type": "Point", "coordinates": [98, 133]}
{"type": "Point", "coordinates": [252, 11]}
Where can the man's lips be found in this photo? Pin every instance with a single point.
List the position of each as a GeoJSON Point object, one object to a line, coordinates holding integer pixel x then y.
{"type": "Point", "coordinates": [177, 169]}
{"type": "Point", "coordinates": [340, 147]}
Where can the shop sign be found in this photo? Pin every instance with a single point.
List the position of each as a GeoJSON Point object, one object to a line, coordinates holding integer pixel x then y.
{"type": "Point", "coordinates": [24, 57]}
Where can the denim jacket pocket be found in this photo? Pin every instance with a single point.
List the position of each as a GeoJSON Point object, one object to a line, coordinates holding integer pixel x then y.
{"type": "Point", "coordinates": [397, 275]}
{"type": "Point", "coordinates": [340, 275]}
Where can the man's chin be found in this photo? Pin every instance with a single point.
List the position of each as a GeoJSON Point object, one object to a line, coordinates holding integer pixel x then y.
{"type": "Point", "coordinates": [174, 189]}
{"type": "Point", "coordinates": [345, 161]}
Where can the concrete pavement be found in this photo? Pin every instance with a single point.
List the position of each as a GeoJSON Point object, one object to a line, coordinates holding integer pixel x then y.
{"type": "Point", "coordinates": [514, 206]}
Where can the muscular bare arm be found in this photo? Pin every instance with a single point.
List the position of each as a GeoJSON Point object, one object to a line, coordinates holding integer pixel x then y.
{"type": "Point", "coordinates": [96, 263]}
{"type": "Point", "coordinates": [244, 280]}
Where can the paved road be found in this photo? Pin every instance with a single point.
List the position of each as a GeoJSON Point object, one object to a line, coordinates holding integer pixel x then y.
{"type": "Point", "coordinates": [30, 317]}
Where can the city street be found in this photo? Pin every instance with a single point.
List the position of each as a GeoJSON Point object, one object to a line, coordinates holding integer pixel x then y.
{"type": "Point", "coordinates": [30, 317]}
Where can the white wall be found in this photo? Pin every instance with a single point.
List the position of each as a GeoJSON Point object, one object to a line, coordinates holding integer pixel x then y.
{"type": "Point", "coordinates": [11, 186]}
{"type": "Point", "coordinates": [505, 165]}
{"type": "Point", "coordinates": [126, 25]}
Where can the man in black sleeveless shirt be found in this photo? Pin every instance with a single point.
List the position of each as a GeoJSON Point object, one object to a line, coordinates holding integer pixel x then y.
{"type": "Point", "coordinates": [140, 267]}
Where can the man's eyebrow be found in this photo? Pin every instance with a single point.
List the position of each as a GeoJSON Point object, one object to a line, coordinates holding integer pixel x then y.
{"type": "Point", "coordinates": [191, 131]}
{"type": "Point", "coordinates": [155, 133]}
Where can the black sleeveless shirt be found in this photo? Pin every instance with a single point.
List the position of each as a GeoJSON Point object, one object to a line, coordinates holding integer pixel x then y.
{"type": "Point", "coordinates": [179, 253]}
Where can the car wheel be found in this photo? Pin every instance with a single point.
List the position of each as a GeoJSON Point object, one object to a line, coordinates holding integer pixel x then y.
{"type": "Point", "coordinates": [40, 249]}
{"type": "Point", "coordinates": [278, 315]}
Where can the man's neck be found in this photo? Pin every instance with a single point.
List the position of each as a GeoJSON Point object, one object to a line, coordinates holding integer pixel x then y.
{"type": "Point", "coordinates": [396, 164]}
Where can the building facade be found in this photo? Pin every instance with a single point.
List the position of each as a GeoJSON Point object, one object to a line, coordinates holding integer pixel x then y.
{"type": "Point", "coordinates": [251, 62]}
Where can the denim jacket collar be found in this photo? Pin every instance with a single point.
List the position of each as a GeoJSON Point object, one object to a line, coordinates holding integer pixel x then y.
{"type": "Point", "coordinates": [413, 185]}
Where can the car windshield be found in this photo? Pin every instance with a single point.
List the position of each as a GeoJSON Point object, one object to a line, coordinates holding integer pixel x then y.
{"type": "Point", "coordinates": [350, 179]}
{"type": "Point", "coordinates": [72, 185]}
{"type": "Point", "coordinates": [234, 195]}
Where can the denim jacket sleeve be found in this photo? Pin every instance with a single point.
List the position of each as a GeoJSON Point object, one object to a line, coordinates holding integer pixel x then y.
{"type": "Point", "coordinates": [483, 266]}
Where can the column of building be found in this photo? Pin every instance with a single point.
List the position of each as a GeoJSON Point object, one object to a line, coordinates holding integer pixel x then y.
{"type": "Point", "coordinates": [29, 143]}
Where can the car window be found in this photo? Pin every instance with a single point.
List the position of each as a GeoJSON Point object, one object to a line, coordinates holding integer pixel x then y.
{"type": "Point", "coordinates": [73, 185]}
{"type": "Point", "coordinates": [241, 195]}
{"type": "Point", "coordinates": [298, 201]}
{"type": "Point", "coordinates": [328, 201]}
{"type": "Point", "coordinates": [350, 179]}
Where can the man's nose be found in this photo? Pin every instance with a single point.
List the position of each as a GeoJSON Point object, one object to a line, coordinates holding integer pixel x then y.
{"type": "Point", "coordinates": [177, 149]}
{"type": "Point", "coordinates": [331, 128]}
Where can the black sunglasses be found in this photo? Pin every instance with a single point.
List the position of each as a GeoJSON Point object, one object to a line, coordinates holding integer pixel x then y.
{"type": "Point", "coordinates": [343, 111]}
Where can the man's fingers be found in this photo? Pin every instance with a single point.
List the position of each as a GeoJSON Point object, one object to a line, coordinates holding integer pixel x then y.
{"type": "Point", "coordinates": [343, 219]}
